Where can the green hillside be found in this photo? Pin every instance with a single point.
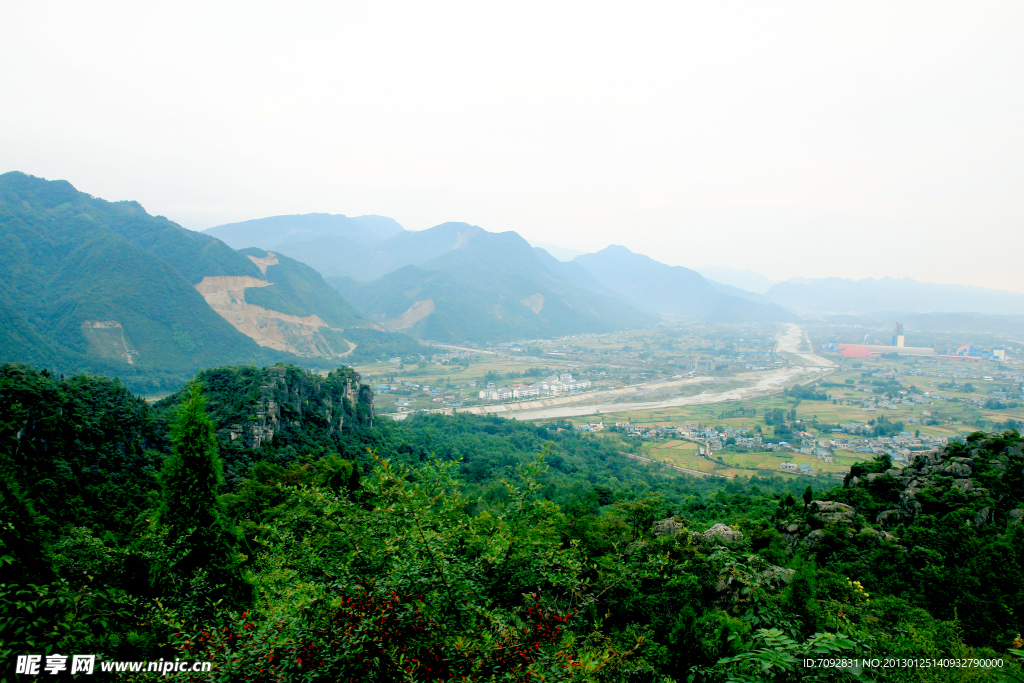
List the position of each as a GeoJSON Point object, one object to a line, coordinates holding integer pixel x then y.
{"type": "Point", "coordinates": [103, 287]}
{"type": "Point", "coordinates": [475, 548]}
{"type": "Point", "coordinates": [85, 288]}
{"type": "Point", "coordinates": [459, 312]}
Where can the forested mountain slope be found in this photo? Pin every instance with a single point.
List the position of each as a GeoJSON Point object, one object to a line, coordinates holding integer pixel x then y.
{"type": "Point", "coordinates": [91, 285]}
{"type": "Point", "coordinates": [442, 547]}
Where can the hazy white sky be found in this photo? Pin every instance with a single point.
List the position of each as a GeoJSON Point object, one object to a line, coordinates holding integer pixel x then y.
{"type": "Point", "coordinates": [793, 138]}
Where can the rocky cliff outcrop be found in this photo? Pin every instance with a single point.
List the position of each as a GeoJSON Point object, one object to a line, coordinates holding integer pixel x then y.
{"type": "Point", "coordinates": [285, 404]}
{"type": "Point", "coordinates": [287, 397]}
{"type": "Point", "coordinates": [976, 471]}
{"type": "Point", "coordinates": [717, 534]}
{"type": "Point", "coordinates": [981, 477]}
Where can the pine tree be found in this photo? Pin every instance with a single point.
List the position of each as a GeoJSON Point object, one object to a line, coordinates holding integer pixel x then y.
{"type": "Point", "coordinates": [190, 510]}
{"type": "Point", "coordinates": [808, 496]}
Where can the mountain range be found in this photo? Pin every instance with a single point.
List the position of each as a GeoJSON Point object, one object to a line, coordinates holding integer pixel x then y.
{"type": "Point", "coordinates": [845, 296]}
{"type": "Point", "coordinates": [483, 286]}
{"type": "Point", "coordinates": [675, 290]}
{"type": "Point", "coordinates": [104, 287]}
{"type": "Point", "coordinates": [457, 281]}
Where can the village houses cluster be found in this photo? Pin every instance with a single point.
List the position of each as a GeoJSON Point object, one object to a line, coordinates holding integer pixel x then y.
{"type": "Point", "coordinates": [550, 386]}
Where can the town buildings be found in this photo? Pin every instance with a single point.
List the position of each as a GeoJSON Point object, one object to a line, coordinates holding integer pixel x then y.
{"type": "Point", "coordinates": [549, 386]}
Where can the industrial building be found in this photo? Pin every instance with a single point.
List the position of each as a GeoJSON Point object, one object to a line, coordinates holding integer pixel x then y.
{"type": "Point", "coordinates": [898, 347]}
{"type": "Point", "coordinates": [965, 352]}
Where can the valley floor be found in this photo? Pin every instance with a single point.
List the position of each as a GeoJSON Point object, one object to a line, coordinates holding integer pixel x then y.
{"type": "Point", "coordinates": [742, 386]}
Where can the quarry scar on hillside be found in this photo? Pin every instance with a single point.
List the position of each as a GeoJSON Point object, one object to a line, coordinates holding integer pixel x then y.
{"type": "Point", "coordinates": [273, 329]}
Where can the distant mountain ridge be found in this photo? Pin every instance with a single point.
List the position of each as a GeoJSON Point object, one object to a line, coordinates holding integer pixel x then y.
{"type": "Point", "coordinates": [746, 280]}
{"type": "Point", "coordinates": [483, 286]}
{"type": "Point", "coordinates": [459, 281]}
{"type": "Point", "coordinates": [846, 296]}
{"type": "Point", "coordinates": [333, 245]}
{"type": "Point", "coordinates": [675, 290]}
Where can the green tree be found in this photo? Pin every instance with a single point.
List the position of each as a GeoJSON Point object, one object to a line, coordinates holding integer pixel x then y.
{"type": "Point", "coordinates": [190, 514]}
{"type": "Point", "coordinates": [808, 496]}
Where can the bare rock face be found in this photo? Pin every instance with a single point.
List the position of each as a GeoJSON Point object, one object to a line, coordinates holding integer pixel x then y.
{"type": "Point", "coordinates": [984, 516]}
{"type": "Point", "coordinates": [254, 406]}
{"type": "Point", "coordinates": [908, 501]}
{"type": "Point", "coordinates": [830, 511]}
{"type": "Point", "coordinates": [719, 533]}
{"type": "Point", "coordinates": [893, 517]}
{"type": "Point", "coordinates": [667, 527]}
{"type": "Point", "coordinates": [813, 539]}
{"type": "Point", "coordinates": [1015, 515]}
{"type": "Point", "coordinates": [965, 485]}
{"type": "Point", "coordinates": [875, 533]}
{"type": "Point", "coordinates": [958, 467]}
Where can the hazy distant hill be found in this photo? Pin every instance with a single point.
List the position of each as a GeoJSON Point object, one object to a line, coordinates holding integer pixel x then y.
{"type": "Point", "coordinates": [91, 285]}
{"type": "Point", "coordinates": [330, 244]}
{"type": "Point", "coordinates": [659, 288]}
{"type": "Point", "coordinates": [488, 271]}
{"type": "Point", "coordinates": [483, 286]}
{"type": "Point", "coordinates": [363, 248]}
{"type": "Point", "coordinates": [572, 271]}
{"type": "Point", "coordinates": [838, 295]}
{"type": "Point", "coordinates": [914, 323]}
{"type": "Point", "coordinates": [746, 280]}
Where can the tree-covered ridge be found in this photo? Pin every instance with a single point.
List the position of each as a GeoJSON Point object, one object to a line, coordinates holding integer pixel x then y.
{"type": "Point", "coordinates": [83, 450]}
{"type": "Point", "coordinates": [54, 212]}
{"type": "Point", "coordinates": [104, 288]}
{"type": "Point", "coordinates": [443, 547]}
